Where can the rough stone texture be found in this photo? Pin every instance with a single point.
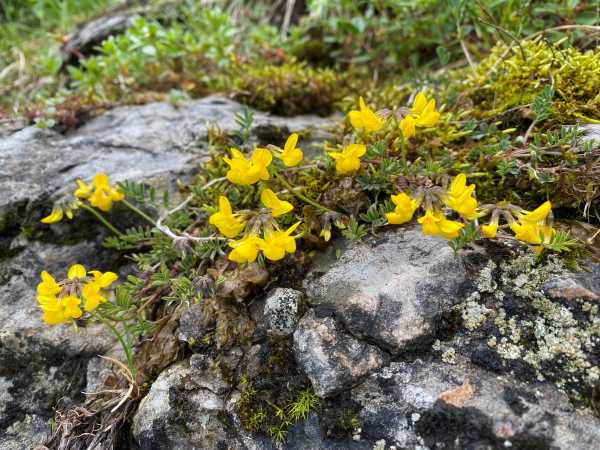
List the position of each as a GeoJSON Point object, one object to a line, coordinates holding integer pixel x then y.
{"type": "Point", "coordinates": [155, 143]}
{"type": "Point", "coordinates": [393, 290]}
{"type": "Point", "coordinates": [180, 413]}
{"type": "Point", "coordinates": [332, 359]}
{"type": "Point", "coordinates": [39, 365]}
{"type": "Point", "coordinates": [281, 311]}
{"type": "Point", "coordinates": [401, 404]}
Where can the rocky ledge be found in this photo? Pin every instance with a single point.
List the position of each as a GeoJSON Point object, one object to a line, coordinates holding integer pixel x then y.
{"type": "Point", "coordinates": [395, 341]}
{"type": "Point", "coordinates": [43, 367]}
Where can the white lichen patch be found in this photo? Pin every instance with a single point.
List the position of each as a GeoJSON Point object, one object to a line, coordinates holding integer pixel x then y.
{"type": "Point", "coordinates": [556, 338]}
{"type": "Point", "coordinates": [474, 314]}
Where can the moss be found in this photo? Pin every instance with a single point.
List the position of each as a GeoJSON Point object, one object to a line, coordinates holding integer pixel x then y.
{"type": "Point", "coordinates": [289, 89]}
{"type": "Point", "coordinates": [277, 395]}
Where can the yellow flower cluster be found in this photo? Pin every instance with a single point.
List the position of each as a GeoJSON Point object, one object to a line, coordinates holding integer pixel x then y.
{"type": "Point", "coordinates": [274, 243]}
{"type": "Point", "coordinates": [422, 114]}
{"type": "Point", "coordinates": [248, 171]}
{"type": "Point", "coordinates": [530, 227]}
{"type": "Point", "coordinates": [100, 194]}
{"type": "Point", "coordinates": [61, 302]}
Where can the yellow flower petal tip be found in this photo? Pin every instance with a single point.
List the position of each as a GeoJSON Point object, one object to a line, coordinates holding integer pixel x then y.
{"type": "Point", "coordinates": [55, 216]}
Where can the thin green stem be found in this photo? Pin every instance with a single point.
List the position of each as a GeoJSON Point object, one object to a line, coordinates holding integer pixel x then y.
{"type": "Point", "coordinates": [301, 196]}
{"type": "Point", "coordinates": [119, 336]}
{"type": "Point", "coordinates": [102, 220]}
{"type": "Point", "coordinates": [140, 213]}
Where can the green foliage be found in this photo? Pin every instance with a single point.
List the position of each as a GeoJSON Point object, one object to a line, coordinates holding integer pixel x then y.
{"type": "Point", "coordinates": [560, 242]}
{"type": "Point", "coordinates": [467, 235]}
{"type": "Point", "coordinates": [355, 230]}
{"type": "Point", "coordinates": [150, 55]}
{"type": "Point", "coordinates": [244, 120]}
{"type": "Point", "coordinates": [389, 34]}
{"type": "Point", "coordinates": [542, 103]}
{"type": "Point", "coordinates": [306, 402]}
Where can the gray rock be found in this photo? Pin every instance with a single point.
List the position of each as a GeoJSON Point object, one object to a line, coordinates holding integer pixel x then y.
{"type": "Point", "coordinates": [155, 143]}
{"type": "Point", "coordinates": [281, 311]}
{"type": "Point", "coordinates": [176, 414]}
{"type": "Point", "coordinates": [26, 433]}
{"type": "Point", "coordinates": [332, 359]}
{"type": "Point", "coordinates": [391, 291]}
{"type": "Point", "coordinates": [41, 365]}
{"type": "Point", "coordinates": [429, 405]}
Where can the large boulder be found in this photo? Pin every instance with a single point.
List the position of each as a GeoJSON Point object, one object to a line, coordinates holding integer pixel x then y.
{"type": "Point", "coordinates": [391, 290]}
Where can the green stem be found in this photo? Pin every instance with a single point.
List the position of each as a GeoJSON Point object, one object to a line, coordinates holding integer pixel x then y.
{"type": "Point", "coordinates": [102, 220]}
{"type": "Point", "coordinates": [301, 196]}
{"type": "Point", "coordinates": [119, 336]}
{"type": "Point", "coordinates": [139, 212]}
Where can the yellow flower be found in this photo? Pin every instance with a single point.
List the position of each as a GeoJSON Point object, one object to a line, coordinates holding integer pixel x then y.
{"type": "Point", "coordinates": [224, 219]}
{"type": "Point", "coordinates": [365, 118]}
{"type": "Point", "coordinates": [245, 172]}
{"type": "Point", "coordinates": [405, 208]}
{"type": "Point", "coordinates": [245, 250]}
{"type": "Point", "coordinates": [490, 230]}
{"type": "Point", "coordinates": [55, 216]}
{"type": "Point", "coordinates": [76, 271]}
{"type": "Point", "coordinates": [92, 290]}
{"type": "Point", "coordinates": [278, 207]}
{"type": "Point", "coordinates": [407, 126]}
{"type": "Point", "coordinates": [104, 194]}
{"type": "Point", "coordinates": [460, 200]}
{"type": "Point", "coordinates": [532, 233]}
{"type": "Point", "coordinates": [348, 160]}
{"type": "Point", "coordinates": [71, 309]}
{"type": "Point", "coordinates": [537, 215]}
{"type": "Point", "coordinates": [277, 243]}
{"type": "Point", "coordinates": [61, 304]}
{"type": "Point", "coordinates": [424, 111]}
{"type": "Point", "coordinates": [52, 310]}
{"type": "Point", "coordinates": [83, 190]}
{"type": "Point", "coordinates": [48, 287]}
{"type": "Point", "coordinates": [291, 155]}
{"type": "Point", "coordinates": [435, 224]}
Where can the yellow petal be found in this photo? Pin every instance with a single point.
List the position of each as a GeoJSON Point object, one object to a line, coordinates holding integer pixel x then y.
{"type": "Point", "coordinates": [537, 215]}
{"type": "Point", "coordinates": [407, 126]}
{"type": "Point", "coordinates": [83, 190]}
{"type": "Point", "coordinates": [224, 205]}
{"type": "Point", "coordinates": [262, 157]}
{"type": "Point", "coordinates": [490, 230]}
{"type": "Point", "coordinates": [101, 180]}
{"type": "Point", "coordinates": [419, 103]}
{"type": "Point", "coordinates": [291, 142]}
{"type": "Point", "coordinates": [55, 216]}
{"type": "Point", "coordinates": [76, 271]}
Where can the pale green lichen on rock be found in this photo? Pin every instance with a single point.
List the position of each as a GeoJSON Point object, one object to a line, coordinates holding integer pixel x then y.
{"type": "Point", "coordinates": [548, 335]}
